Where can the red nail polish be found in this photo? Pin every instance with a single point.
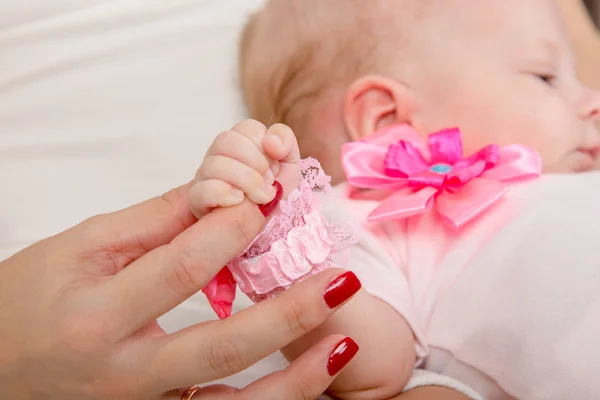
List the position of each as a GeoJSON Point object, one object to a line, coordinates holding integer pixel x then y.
{"type": "Point", "coordinates": [341, 355]}
{"type": "Point", "coordinates": [341, 289]}
{"type": "Point", "coordinates": [225, 277]}
{"type": "Point", "coordinates": [267, 209]}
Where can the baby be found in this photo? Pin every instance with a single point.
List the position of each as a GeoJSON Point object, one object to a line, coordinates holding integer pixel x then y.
{"type": "Point", "coordinates": [342, 71]}
{"type": "Point", "coordinates": [500, 75]}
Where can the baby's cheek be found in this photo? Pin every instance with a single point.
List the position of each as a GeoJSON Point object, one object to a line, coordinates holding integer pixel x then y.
{"type": "Point", "coordinates": [485, 117]}
{"type": "Point", "coordinates": [555, 135]}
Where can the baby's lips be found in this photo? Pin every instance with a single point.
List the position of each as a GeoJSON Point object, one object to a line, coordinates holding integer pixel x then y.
{"type": "Point", "coordinates": [267, 209]}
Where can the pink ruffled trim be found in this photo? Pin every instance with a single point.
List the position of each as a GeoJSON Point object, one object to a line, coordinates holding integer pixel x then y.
{"type": "Point", "coordinates": [299, 202]}
{"type": "Point", "coordinates": [295, 244]}
{"type": "Point", "coordinates": [291, 214]}
{"type": "Point", "coordinates": [306, 250]}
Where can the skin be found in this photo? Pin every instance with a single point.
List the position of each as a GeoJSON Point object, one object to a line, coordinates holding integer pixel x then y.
{"type": "Point", "coordinates": [246, 163]}
{"type": "Point", "coordinates": [83, 304]}
{"type": "Point", "coordinates": [23, 269]}
{"type": "Point", "coordinates": [503, 77]}
{"type": "Point", "coordinates": [250, 155]}
{"type": "Point", "coordinates": [516, 79]}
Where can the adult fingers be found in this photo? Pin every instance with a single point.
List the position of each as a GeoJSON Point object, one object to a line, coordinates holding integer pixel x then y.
{"type": "Point", "coordinates": [305, 378]}
{"type": "Point", "coordinates": [126, 235]}
{"type": "Point", "coordinates": [309, 375]}
{"type": "Point", "coordinates": [214, 350]}
{"type": "Point", "coordinates": [123, 236]}
{"type": "Point", "coordinates": [165, 277]}
{"type": "Point", "coordinates": [214, 392]}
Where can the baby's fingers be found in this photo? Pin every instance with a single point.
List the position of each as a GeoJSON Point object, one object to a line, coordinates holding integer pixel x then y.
{"type": "Point", "coordinates": [280, 144]}
{"type": "Point", "coordinates": [207, 195]}
{"type": "Point", "coordinates": [241, 147]}
{"type": "Point", "coordinates": [258, 188]}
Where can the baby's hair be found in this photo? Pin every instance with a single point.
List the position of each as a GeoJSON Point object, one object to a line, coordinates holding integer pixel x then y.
{"type": "Point", "coordinates": [298, 57]}
{"type": "Point", "coordinates": [291, 55]}
{"type": "Point", "coordinates": [270, 74]}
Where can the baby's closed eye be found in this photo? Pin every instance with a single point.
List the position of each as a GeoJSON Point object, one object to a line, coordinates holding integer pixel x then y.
{"type": "Point", "coordinates": [548, 79]}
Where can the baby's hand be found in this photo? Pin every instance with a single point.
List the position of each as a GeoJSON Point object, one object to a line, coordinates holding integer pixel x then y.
{"type": "Point", "coordinates": [246, 161]}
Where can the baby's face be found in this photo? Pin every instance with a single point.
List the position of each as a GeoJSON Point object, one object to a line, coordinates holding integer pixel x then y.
{"type": "Point", "coordinates": [504, 73]}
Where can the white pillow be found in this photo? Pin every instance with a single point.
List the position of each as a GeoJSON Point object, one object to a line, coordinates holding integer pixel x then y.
{"type": "Point", "coordinates": [106, 103]}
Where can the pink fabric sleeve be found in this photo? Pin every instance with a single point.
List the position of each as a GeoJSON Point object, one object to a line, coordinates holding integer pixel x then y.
{"type": "Point", "coordinates": [296, 243]}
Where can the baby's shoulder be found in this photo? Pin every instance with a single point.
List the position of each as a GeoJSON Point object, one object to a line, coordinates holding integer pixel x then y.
{"type": "Point", "coordinates": [337, 203]}
{"type": "Point", "coordinates": [383, 239]}
{"type": "Point", "coordinates": [561, 201]}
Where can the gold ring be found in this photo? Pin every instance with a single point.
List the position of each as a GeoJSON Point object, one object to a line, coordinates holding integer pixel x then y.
{"type": "Point", "coordinates": [190, 393]}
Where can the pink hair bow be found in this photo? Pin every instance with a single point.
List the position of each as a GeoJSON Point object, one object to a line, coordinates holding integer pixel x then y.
{"type": "Point", "coordinates": [435, 175]}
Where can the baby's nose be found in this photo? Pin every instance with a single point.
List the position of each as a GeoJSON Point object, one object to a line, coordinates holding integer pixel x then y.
{"type": "Point", "coordinates": [590, 106]}
{"type": "Point", "coordinates": [591, 141]}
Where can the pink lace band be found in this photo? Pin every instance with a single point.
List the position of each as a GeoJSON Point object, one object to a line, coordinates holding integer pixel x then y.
{"type": "Point", "coordinates": [305, 251]}
{"type": "Point", "coordinates": [296, 243]}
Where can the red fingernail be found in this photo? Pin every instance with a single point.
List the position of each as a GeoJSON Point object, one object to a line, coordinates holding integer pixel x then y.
{"type": "Point", "coordinates": [267, 209]}
{"type": "Point", "coordinates": [341, 355]}
{"type": "Point", "coordinates": [225, 277]}
{"type": "Point", "coordinates": [341, 289]}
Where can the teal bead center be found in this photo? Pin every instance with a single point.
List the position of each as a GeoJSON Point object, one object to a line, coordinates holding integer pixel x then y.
{"type": "Point", "coordinates": [441, 169]}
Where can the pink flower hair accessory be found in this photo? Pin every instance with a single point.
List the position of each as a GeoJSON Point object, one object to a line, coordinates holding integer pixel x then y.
{"type": "Point", "coordinates": [424, 176]}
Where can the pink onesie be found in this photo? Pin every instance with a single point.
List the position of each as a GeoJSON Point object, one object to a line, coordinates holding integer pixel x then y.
{"type": "Point", "coordinates": [512, 306]}
{"type": "Point", "coordinates": [499, 286]}
{"type": "Point", "coordinates": [510, 303]}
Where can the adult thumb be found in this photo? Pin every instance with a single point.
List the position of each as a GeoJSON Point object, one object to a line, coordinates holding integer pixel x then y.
{"type": "Point", "coordinates": [132, 232]}
{"type": "Point", "coordinates": [170, 274]}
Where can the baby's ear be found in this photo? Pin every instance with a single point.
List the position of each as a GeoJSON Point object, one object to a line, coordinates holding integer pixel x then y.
{"type": "Point", "coordinates": [374, 102]}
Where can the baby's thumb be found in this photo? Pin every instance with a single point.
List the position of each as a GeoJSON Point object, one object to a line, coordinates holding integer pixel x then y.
{"type": "Point", "coordinates": [281, 145]}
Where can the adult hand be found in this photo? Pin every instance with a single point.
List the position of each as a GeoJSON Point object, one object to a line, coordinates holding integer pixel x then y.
{"type": "Point", "coordinates": [79, 311]}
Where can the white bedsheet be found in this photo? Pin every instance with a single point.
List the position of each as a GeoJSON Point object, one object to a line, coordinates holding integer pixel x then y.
{"type": "Point", "coordinates": [106, 103]}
